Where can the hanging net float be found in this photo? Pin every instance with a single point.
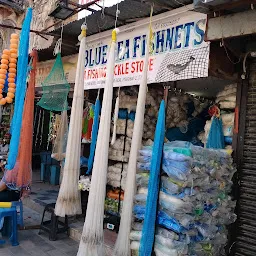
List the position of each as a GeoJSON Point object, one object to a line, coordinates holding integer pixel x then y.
{"type": "Point", "coordinates": [55, 88]}
{"type": "Point", "coordinates": [8, 69]}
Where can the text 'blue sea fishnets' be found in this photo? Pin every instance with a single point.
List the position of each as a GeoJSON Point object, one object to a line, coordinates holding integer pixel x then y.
{"type": "Point", "coordinates": [20, 91]}
{"type": "Point", "coordinates": [148, 231]}
{"type": "Point", "coordinates": [95, 129]}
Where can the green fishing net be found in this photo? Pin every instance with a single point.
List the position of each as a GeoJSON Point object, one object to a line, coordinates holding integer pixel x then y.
{"type": "Point", "coordinates": [55, 88]}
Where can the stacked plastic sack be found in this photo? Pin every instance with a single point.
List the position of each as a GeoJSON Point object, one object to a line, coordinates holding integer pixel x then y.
{"type": "Point", "coordinates": [181, 107]}
{"type": "Point", "coordinates": [128, 102]}
{"type": "Point", "coordinates": [227, 98]}
{"type": "Point", "coordinates": [227, 101]}
{"type": "Point", "coordinates": [116, 176]}
{"type": "Point", "coordinates": [194, 201]}
{"type": "Point", "coordinates": [116, 151]}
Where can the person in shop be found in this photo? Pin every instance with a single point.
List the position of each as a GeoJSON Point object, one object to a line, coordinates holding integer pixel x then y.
{"type": "Point", "coordinates": [7, 194]}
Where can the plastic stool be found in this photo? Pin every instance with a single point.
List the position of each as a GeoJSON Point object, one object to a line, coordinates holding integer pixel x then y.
{"type": "Point", "coordinates": [11, 213]}
{"type": "Point", "coordinates": [54, 174]}
{"type": "Point", "coordinates": [19, 210]}
{"type": "Point", "coordinates": [52, 226]}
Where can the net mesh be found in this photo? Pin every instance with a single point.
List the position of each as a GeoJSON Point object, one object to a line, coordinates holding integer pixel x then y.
{"type": "Point", "coordinates": [55, 88]}
{"type": "Point", "coordinates": [186, 64]}
{"type": "Point", "coordinates": [148, 231]}
{"type": "Point", "coordinates": [60, 143]}
{"type": "Point", "coordinates": [20, 91]}
{"type": "Point", "coordinates": [20, 176]}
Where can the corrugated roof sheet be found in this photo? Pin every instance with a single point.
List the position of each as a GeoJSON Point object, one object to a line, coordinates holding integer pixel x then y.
{"type": "Point", "coordinates": [130, 11]}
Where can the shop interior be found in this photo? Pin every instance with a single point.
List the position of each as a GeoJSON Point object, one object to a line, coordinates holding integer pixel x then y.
{"type": "Point", "coordinates": [187, 119]}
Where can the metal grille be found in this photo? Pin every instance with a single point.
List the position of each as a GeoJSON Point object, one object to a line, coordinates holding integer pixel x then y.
{"type": "Point", "coordinates": [246, 240]}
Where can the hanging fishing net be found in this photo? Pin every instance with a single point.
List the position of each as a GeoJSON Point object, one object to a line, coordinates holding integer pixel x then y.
{"type": "Point", "coordinates": [69, 201]}
{"type": "Point", "coordinates": [122, 246]}
{"type": "Point", "coordinates": [92, 237]}
{"type": "Point", "coordinates": [20, 176]}
{"type": "Point", "coordinates": [60, 142]}
{"type": "Point", "coordinates": [20, 91]}
{"type": "Point", "coordinates": [88, 116]}
{"type": "Point", "coordinates": [216, 136]}
{"type": "Point", "coordinates": [95, 129]}
{"type": "Point", "coordinates": [148, 231]}
{"type": "Point", "coordinates": [55, 88]}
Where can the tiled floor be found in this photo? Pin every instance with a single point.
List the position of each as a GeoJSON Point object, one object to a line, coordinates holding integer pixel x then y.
{"type": "Point", "coordinates": [43, 193]}
{"type": "Point", "coordinates": [32, 244]}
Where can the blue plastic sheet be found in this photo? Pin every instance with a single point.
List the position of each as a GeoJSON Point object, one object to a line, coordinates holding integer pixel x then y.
{"type": "Point", "coordinates": [122, 114]}
{"type": "Point", "coordinates": [148, 231]}
{"type": "Point", "coordinates": [20, 91]}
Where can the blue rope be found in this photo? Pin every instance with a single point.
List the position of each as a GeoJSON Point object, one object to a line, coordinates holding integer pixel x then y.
{"type": "Point", "coordinates": [20, 91]}
{"type": "Point", "coordinates": [148, 231]}
{"type": "Point", "coordinates": [95, 129]}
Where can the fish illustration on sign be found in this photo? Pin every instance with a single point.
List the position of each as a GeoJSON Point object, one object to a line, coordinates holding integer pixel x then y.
{"type": "Point", "coordinates": [177, 68]}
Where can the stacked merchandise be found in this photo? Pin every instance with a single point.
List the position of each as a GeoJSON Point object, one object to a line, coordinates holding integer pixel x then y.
{"type": "Point", "coordinates": [114, 202]}
{"type": "Point", "coordinates": [194, 201]}
{"type": "Point", "coordinates": [153, 100]}
{"type": "Point", "coordinates": [116, 176]}
{"type": "Point", "coordinates": [128, 101]}
{"type": "Point", "coordinates": [227, 102]}
{"type": "Point", "coordinates": [119, 157]}
{"type": "Point", "coordinates": [185, 117]}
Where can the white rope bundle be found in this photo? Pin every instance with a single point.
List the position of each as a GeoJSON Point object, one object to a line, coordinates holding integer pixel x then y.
{"type": "Point", "coordinates": [91, 243]}
{"type": "Point", "coordinates": [115, 119]}
{"type": "Point", "coordinates": [68, 202]}
{"type": "Point", "coordinates": [122, 246]}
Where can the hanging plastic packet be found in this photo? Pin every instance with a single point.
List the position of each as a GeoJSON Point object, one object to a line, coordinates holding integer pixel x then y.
{"type": "Point", "coordinates": [173, 204]}
{"type": "Point", "coordinates": [174, 173]}
{"type": "Point", "coordinates": [170, 223]}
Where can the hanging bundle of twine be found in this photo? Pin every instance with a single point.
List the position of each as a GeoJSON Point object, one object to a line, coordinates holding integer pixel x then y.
{"type": "Point", "coordinates": [92, 238]}
{"type": "Point", "coordinates": [69, 202]}
{"type": "Point", "coordinates": [122, 246]}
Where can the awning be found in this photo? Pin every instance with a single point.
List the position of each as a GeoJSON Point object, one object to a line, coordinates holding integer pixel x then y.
{"type": "Point", "coordinates": [130, 11]}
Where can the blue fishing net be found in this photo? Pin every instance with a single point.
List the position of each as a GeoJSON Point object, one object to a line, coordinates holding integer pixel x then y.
{"type": "Point", "coordinates": [216, 137]}
{"type": "Point", "coordinates": [20, 91]}
{"type": "Point", "coordinates": [148, 232]}
{"type": "Point", "coordinates": [95, 129]}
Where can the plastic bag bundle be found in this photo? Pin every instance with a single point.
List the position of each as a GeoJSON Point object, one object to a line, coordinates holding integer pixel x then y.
{"type": "Point", "coordinates": [227, 97]}
{"type": "Point", "coordinates": [121, 125]}
{"type": "Point", "coordinates": [198, 208]}
{"type": "Point", "coordinates": [111, 206]}
{"type": "Point", "coordinates": [116, 176]}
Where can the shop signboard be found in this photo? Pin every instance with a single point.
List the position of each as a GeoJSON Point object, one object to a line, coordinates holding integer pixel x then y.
{"type": "Point", "coordinates": [179, 53]}
{"type": "Point", "coordinates": [69, 65]}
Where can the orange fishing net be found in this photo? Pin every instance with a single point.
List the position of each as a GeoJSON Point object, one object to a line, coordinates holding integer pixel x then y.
{"type": "Point", "coordinates": [20, 176]}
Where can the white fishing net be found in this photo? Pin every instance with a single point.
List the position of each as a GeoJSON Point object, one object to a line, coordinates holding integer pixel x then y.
{"type": "Point", "coordinates": [69, 202]}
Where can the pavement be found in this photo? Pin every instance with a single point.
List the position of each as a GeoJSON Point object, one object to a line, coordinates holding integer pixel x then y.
{"type": "Point", "coordinates": [32, 244]}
